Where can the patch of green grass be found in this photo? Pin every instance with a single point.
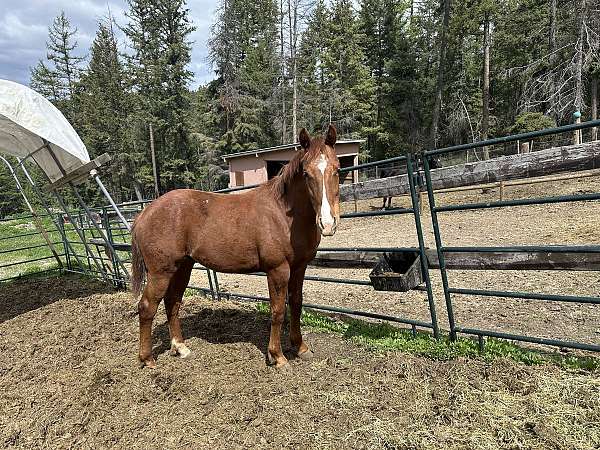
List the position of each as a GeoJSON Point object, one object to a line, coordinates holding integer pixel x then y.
{"type": "Point", "coordinates": [385, 337]}
{"type": "Point", "coordinates": [17, 235]}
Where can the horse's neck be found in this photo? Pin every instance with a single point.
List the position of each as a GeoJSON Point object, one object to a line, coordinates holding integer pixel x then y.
{"type": "Point", "coordinates": [297, 201]}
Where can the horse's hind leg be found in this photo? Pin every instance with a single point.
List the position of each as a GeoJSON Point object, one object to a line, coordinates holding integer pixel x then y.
{"type": "Point", "coordinates": [173, 299]}
{"type": "Point", "coordinates": [155, 290]}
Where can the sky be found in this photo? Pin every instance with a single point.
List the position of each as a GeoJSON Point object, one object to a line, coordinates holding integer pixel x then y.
{"type": "Point", "coordinates": [24, 31]}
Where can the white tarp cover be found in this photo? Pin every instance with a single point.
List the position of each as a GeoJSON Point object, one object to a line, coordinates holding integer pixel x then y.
{"type": "Point", "coordinates": [26, 118]}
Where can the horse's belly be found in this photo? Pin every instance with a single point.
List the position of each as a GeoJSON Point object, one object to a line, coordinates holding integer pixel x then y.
{"type": "Point", "coordinates": [227, 257]}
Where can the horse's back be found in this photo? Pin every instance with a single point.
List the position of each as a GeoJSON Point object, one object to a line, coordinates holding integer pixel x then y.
{"type": "Point", "coordinates": [217, 230]}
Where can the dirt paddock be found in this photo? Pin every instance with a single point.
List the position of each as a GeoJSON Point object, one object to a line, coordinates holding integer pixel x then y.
{"type": "Point", "coordinates": [69, 379]}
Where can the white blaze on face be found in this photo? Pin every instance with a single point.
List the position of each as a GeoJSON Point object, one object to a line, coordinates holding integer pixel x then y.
{"type": "Point", "coordinates": [326, 217]}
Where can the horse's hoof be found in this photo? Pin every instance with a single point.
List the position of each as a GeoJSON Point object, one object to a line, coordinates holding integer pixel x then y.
{"type": "Point", "coordinates": [149, 363]}
{"type": "Point", "coordinates": [180, 349]}
{"type": "Point", "coordinates": [306, 355]}
{"type": "Point", "coordinates": [278, 363]}
{"type": "Point", "coordinates": [283, 367]}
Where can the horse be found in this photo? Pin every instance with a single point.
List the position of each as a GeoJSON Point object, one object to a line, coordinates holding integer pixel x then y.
{"type": "Point", "coordinates": [274, 228]}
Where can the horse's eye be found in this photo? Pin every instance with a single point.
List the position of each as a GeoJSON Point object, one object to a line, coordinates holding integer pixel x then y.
{"type": "Point", "coordinates": [305, 173]}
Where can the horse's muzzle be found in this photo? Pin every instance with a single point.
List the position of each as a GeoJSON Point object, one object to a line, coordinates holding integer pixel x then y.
{"type": "Point", "coordinates": [327, 229]}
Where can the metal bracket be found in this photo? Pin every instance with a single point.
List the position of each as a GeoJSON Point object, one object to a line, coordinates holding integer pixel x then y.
{"type": "Point", "coordinates": [80, 174]}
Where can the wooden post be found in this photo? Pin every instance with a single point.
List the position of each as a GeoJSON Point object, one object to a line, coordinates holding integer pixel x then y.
{"type": "Point", "coordinates": [485, 113]}
{"type": "Point", "coordinates": [501, 190]}
{"type": "Point", "coordinates": [594, 106]}
{"type": "Point", "coordinates": [577, 133]}
{"type": "Point", "coordinates": [154, 168]}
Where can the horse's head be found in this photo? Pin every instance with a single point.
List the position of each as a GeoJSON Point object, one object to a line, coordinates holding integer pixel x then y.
{"type": "Point", "coordinates": [320, 170]}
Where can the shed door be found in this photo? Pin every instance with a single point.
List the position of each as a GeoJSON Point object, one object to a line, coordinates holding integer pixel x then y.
{"type": "Point", "coordinates": [239, 178]}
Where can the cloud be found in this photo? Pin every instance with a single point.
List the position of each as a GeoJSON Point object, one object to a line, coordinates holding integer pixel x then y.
{"type": "Point", "coordinates": [24, 31]}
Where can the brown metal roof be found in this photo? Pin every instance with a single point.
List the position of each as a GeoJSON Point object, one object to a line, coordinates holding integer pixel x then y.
{"type": "Point", "coordinates": [279, 148]}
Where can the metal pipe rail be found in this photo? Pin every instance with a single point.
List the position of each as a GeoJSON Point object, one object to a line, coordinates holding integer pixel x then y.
{"type": "Point", "coordinates": [520, 202]}
{"type": "Point", "coordinates": [28, 261]}
{"type": "Point", "coordinates": [16, 236]}
{"type": "Point", "coordinates": [387, 212]}
{"type": "Point", "coordinates": [527, 249]}
{"type": "Point", "coordinates": [527, 295]}
{"type": "Point", "coordinates": [513, 138]}
{"type": "Point", "coordinates": [531, 339]}
{"type": "Point", "coordinates": [31, 247]}
{"type": "Point", "coordinates": [28, 216]}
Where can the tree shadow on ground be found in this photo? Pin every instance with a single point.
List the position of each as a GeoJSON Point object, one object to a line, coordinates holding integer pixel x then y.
{"type": "Point", "coordinates": [225, 326]}
{"type": "Point", "coordinates": [24, 295]}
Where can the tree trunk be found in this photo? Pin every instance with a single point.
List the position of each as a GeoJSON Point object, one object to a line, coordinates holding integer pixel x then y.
{"type": "Point", "coordinates": [295, 98]}
{"type": "Point", "coordinates": [283, 109]}
{"type": "Point", "coordinates": [293, 32]}
{"type": "Point", "coordinates": [594, 106]}
{"type": "Point", "coordinates": [578, 101]}
{"type": "Point", "coordinates": [440, 75]}
{"type": "Point", "coordinates": [552, 44]}
{"type": "Point", "coordinates": [154, 165]}
{"type": "Point", "coordinates": [485, 113]}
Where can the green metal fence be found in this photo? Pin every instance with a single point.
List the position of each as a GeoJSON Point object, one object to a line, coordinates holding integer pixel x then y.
{"type": "Point", "coordinates": [442, 250]}
{"type": "Point", "coordinates": [24, 250]}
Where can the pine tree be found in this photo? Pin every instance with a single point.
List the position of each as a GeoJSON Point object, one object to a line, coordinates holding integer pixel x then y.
{"type": "Point", "coordinates": [378, 22]}
{"type": "Point", "coordinates": [57, 77]}
{"type": "Point", "coordinates": [405, 104]}
{"type": "Point", "coordinates": [337, 86]}
{"type": "Point", "coordinates": [243, 51]}
{"type": "Point", "coordinates": [11, 201]}
{"type": "Point", "coordinates": [313, 110]}
{"type": "Point", "coordinates": [104, 106]}
{"type": "Point", "coordinates": [158, 32]}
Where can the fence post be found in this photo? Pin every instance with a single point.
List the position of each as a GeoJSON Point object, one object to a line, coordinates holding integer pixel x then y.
{"type": "Point", "coordinates": [416, 205]}
{"type": "Point", "coordinates": [118, 282]}
{"type": "Point", "coordinates": [439, 247]}
{"type": "Point", "coordinates": [63, 234]}
{"type": "Point", "coordinates": [217, 285]}
{"type": "Point", "coordinates": [210, 283]}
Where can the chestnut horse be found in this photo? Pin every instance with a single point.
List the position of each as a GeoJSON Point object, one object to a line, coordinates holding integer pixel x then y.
{"type": "Point", "coordinates": [274, 228]}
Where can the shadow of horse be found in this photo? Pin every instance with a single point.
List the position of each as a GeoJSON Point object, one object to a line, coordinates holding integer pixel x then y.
{"type": "Point", "coordinates": [223, 326]}
{"type": "Point", "coordinates": [25, 295]}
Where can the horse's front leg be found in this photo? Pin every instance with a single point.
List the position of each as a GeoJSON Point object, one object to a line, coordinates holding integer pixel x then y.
{"type": "Point", "coordinates": [295, 299]}
{"type": "Point", "coordinates": [278, 279]}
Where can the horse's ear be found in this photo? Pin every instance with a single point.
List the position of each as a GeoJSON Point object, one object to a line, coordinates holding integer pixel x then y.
{"type": "Point", "coordinates": [331, 136]}
{"type": "Point", "coordinates": [304, 139]}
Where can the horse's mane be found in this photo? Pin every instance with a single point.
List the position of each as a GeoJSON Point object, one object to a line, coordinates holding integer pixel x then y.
{"type": "Point", "coordinates": [284, 179]}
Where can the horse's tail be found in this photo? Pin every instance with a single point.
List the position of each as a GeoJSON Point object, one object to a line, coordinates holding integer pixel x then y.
{"type": "Point", "coordinates": [138, 266]}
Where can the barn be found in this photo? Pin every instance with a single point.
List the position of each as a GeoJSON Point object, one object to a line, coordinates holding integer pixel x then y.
{"type": "Point", "coordinates": [257, 166]}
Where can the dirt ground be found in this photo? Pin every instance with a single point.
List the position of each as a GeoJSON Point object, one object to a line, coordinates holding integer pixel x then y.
{"type": "Point", "coordinates": [69, 379]}
{"type": "Point", "coordinates": [567, 223]}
